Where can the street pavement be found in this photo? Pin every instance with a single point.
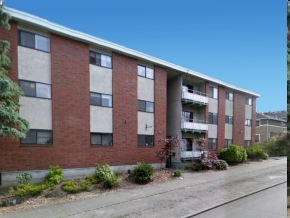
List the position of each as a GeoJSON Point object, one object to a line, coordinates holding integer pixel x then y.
{"type": "Point", "coordinates": [194, 194]}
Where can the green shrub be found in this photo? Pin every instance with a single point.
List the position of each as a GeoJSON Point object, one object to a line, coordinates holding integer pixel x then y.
{"type": "Point", "coordinates": [177, 173]}
{"type": "Point", "coordinates": [220, 164]}
{"type": "Point", "coordinates": [105, 174]}
{"type": "Point", "coordinates": [54, 176]}
{"type": "Point", "coordinates": [74, 187]}
{"type": "Point", "coordinates": [233, 154]}
{"type": "Point", "coordinates": [197, 167]}
{"type": "Point", "coordinates": [143, 173]}
{"type": "Point", "coordinates": [92, 179]}
{"type": "Point", "coordinates": [27, 190]}
{"type": "Point", "coordinates": [265, 156]}
{"type": "Point", "coordinates": [23, 178]}
{"type": "Point", "coordinates": [255, 152]}
{"type": "Point", "coordinates": [277, 146]}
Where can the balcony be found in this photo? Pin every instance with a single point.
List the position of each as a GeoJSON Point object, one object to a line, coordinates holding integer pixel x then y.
{"type": "Point", "coordinates": [194, 98]}
{"type": "Point", "coordinates": [191, 125]}
{"type": "Point", "coordinates": [190, 155]}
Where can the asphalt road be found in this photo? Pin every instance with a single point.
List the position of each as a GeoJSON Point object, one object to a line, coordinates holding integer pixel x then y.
{"type": "Point", "coordinates": [270, 203]}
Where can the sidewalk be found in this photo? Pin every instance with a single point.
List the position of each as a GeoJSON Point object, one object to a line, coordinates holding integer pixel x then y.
{"type": "Point", "coordinates": [194, 193]}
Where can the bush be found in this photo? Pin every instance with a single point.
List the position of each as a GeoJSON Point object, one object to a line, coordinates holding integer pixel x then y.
{"type": "Point", "coordinates": [265, 156]}
{"type": "Point", "coordinates": [105, 174]}
{"type": "Point", "coordinates": [25, 190]}
{"type": "Point", "coordinates": [23, 178]}
{"type": "Point", "coordinates": [277, 146]}
{"type": "Point", "coordinates": [177, 173]}
{"type": "Point", "coordinates": [220, 164]}
{"type": "Point", "coordinates": [233, 154]}
{"type": "Point", "coordinates": [92, 179]}
{"type": "Point", "coordinates": [143, 173]}
{"type": "Point", "coordinates": [74, 187]}
{"type": "Point", "coordinates": [255, 152]}
{"type": "Point", "coordinates": [197, 167]}
{"type": "Point", "coordinates": [54, 176]}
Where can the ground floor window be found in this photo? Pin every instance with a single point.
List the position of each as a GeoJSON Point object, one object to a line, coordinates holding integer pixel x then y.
{"type": "Point", "coordinates": [102, 139]}
{"type": "Point", "coordinates": [145, 140]}
{"type": "Point", "coordinates": [228, 142]}
{"type": "Point", "coordinates": [212, 144]}
{"type": "Point", "coordinates": [247, 143]}
{"type": "Point", "coordinates": [36, 136]}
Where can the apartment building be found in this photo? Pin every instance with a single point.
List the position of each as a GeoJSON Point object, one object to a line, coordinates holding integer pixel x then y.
{"type": "Point", "coordinates": [92, 101]}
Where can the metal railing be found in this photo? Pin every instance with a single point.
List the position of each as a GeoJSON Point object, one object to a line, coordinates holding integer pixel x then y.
{"type": "Point", "coordinates": [194, 96]}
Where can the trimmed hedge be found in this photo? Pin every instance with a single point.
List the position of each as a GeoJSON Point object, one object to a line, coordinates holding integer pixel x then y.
{"type": "Point", "coordinates": [233, 154]}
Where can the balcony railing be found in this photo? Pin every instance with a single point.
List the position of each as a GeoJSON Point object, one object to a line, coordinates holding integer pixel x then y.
{"type": "Point", "coordinates": [189, 155]}
{"type": "Point", "coordinates": [193, 97]}
{"type": "Point", "coordinates": [192, 125]}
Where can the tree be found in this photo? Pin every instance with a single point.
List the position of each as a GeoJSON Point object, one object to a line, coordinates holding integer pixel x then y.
{"type": "Point", "coordinates": [11, 123]}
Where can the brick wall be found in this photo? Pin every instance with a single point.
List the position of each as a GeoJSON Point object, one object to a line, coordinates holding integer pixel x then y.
{"type": "Point", "coordinates": [253, 130]}
{"type": "Point", "coordinates": [206, 85]}
{"type": "Point", "coordinates": [221, 117]}
{"type": "Point", "coordinates": [239, 118]}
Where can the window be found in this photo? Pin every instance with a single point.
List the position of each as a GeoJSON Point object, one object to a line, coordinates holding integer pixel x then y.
{"type": "Point", "coordinates": [102, 139]}
{"type": "Point", "coordinates": [99, 99]}
{"type": "Point", "coordinates": [187, 116]}
{"type": "Point", "coordinates": [248, 122]}
{"type": "Point", "coordinates": [249, 101]}
{"type": "Point", "coordinates": [257, 138]}
{"type": "Point", "coordinates": [187, 88]}
{"type": "Point", "coordinates": [34, 41]}
{"type": "Point", "coordinates": [228, 142]}
{"type": "Point", "coordinates": [229, 96]}
{"type": "Point", "coordinates": [145, 72]}
{"type": "Point", "coordinates": [100, 59]}
{"type": "Point", "coordinates": [187, 144]}
{"type": "Point", "coordinates": [213, 118]}
{"type": "Point", "coordinates": [213, 92]}
{"type": "Point", "coordinates": [212, 144]}
{"type": "Point", "coordinates": [40, 137]}
{"type": "Point", "coordinates": [145, 140]}
{"type": "Point", "coordinates": [34, 89]}
{"type": "Point", "coordinates": [229, 119]}
{"type": "Point", "coordinates": [145, 106]}
{"type": "Point", "coordinates": [257, 122]}
{"type": "Point", "coordinates": [247, 143]}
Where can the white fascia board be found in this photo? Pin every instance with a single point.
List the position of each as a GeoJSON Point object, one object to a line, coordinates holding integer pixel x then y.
{"type": "Point", "coordinates": [55, 28]}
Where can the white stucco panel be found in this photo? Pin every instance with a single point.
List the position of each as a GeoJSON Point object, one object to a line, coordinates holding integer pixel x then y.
{"type": "Point", "coordinates": [100, 79]}
{"type": "Point", "coordinates": [212, 131]}
{"type": "Point", "coordinates": [248, 130]}
{"type": "Point", "coordinates": [34, 65]}
{"type": "Point", "coordinates": [248, 112]}
{"type": "Point", "coordinates": [212, 105]}
{"type": "Point", "coordinates": [228, 131]}
{"type": "Point", "coordinates": [101, 119]}
{"type": "Point", "coordinates": [37, 111]}
{"type": "Point", "coordinates": [229, 108]}
{"type": "Point", "coordinates": [143, 119]}
{"type": "Point", "coordinates": [145, 89]}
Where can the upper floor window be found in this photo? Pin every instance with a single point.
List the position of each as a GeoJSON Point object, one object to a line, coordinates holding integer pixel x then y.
{"type": "Point", "coordinates": [212, 118]}
{"type": "Point", "coordinates": [248, 101]}
{"type": "Point", "coordinates": [41, 137]}
{"type": "Point", "coordinates": [35, 41]}
{"type": "Point", "coordinates": [212, 144]}
{"type": "Point", "coordinates": [145, 106]}
{"type": "Point", "coordinates": [229, 96]}
{"type": "Point", "coordinates": [145, 140]}
{"type": "Point", "coordinates": [213, 92]}
{"type": "Point", "coordinates": [100, 59]}
{"type": "Point", "coordinates": [229, 119]}
{"type": "Point", "coordinates": [257, 122]}
{"type": "Point", "coordinates": [102, 139]}
{"type": "Point", "coordinates": [99, 99]}
{"type": "Point", "coordinates": [34, 89]}
{"type": "Point", "coordinates": [145, 72]}
{"type": "Point", "coordinates": [187, 88]}
{"type": "Point", "coordinates": [257, 138]}
{"type": "Point", "coordinates": [248, 122]}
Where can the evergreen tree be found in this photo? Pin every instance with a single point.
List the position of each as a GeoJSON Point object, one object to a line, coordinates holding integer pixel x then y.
{"type": "Point", "coordinates": [11, 124]}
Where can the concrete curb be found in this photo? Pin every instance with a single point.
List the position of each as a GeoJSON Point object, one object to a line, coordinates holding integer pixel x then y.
{"type": "Point", "coordinates": [231, 200]}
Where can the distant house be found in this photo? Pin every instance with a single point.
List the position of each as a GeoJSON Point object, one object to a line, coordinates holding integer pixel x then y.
{"type": "Point", "coordinates": [269, 125]}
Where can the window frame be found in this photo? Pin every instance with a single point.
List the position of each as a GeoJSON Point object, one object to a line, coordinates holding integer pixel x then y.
{"type": "Point", "coordinates": [35, 34]}
{"type": "Point", "coordinates": [145, 140]}
{"type": "Point", "coordinates": [146, 106]}
{"type": "Point", "coordinates": [212, 92]}
{"type": "Point", "coordinates": [228, 94]}
{"type": "Point", "coordinates": [211, 118]}
{"type": "Point", "coordinates": [101, 99]}
{"type": "Point", "coordinates": [31, 96]}
{"type": "Point", "coordinates": [259, 141]}
{"type": "Point", "coordinates": [145, 72]}
{"type": "Point", "coordinates": [36, 135]}
{"type": "Point", "coordinates": [249, 101]}
{"type": "Point", "coordinates": [247, 143]}
{"type": "Point", "coordinates": [259, 123]}
{"type": "Point", "coordinates": [101, 54]}
{"type": "Point", "coordinates": [209, 141]}
{"type": "Point", "coordinates": [227, 119]}
{"type": "Point", "coordinates": [248, 122]}
{"type": "Point", "coordinates": [102, 134]}
{"type": "Point", "coordinates": [226, 142]}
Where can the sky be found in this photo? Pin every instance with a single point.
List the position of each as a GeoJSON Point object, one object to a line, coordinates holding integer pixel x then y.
{"type": "Point", "coordinates": [239, 42]}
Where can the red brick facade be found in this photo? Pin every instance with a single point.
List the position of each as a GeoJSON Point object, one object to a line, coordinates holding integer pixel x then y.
{"type": "Point", "coordinates": [221, 117]}
{"type": "Point", "coordinates": [253, 130]}
{"type": "Point", "coordinates": [239, 118]}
